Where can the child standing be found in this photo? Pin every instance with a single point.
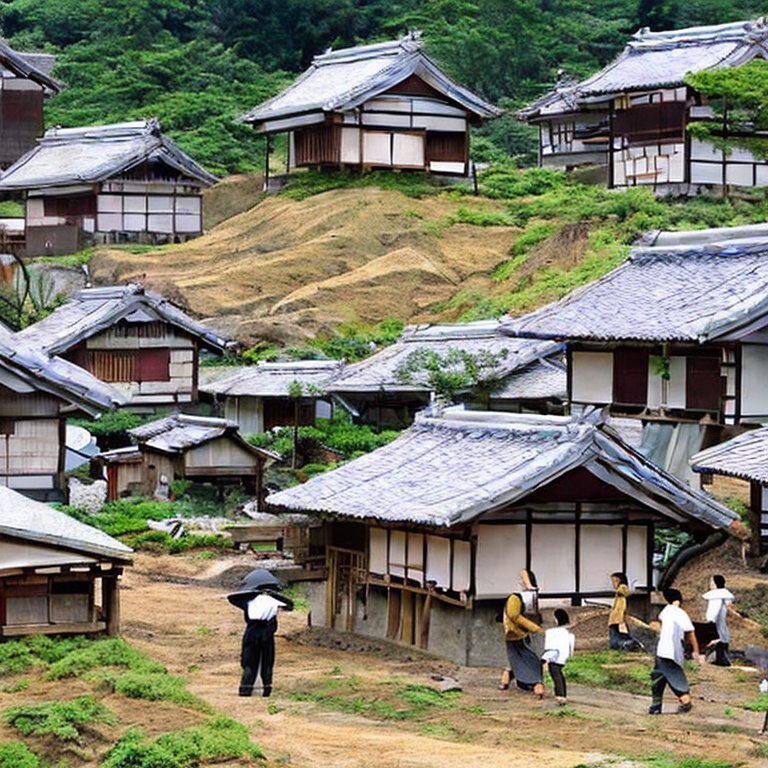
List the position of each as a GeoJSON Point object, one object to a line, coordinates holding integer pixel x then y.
{"type": "Point", "coordinates": [676, 627]}
{"type": "Point", "coordinates": [559, 643]}
{"type": "Point", "coordinates": [719, 600]}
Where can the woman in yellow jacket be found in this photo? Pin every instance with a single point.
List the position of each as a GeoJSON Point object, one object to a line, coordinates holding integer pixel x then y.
{"type": "Point", "coordinates": [524, 663]}
{"type": "Point", "coordinates": [619, 638]}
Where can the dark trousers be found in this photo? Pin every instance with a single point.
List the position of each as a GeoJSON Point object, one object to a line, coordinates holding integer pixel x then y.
{"type": "Point", "coordinates": [667, 672]}
{"type": "Point", "coordinates": [558, 678]}
{"type": "Point", "coordinates": [257, 656]}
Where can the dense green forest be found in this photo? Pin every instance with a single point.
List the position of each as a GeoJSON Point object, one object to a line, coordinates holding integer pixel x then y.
{"type": "Point", "coordinates": [198, 64]}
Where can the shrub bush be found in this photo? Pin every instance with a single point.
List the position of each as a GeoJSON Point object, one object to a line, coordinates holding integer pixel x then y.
{"type": "Point", "coordinates": [14, 754]}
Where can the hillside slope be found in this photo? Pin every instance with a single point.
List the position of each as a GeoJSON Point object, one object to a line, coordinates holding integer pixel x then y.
{"type": "Point", "coordinates": [284, 270]}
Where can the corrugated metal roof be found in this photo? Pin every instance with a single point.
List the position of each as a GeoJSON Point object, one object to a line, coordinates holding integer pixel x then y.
{"type": "Point", "coordinates": [342, 80]}
{"type": "Point", "coordinates": [55, 375]}
{"type": "Point", "coordinates": [697, 291]}
{"type": "Point", "coordinates": [662, 60]}
{"type": "Point", "coordinates": [380, 371]}
{"type": "Point", "coordinates": [450, 470]}
{"type": "Point", "coordinates": [275, 379]}
{"type": "Point", "coordinates": [92, 310]}
{"type": "Point", "coordinates": [745, 456]}
{"type": "Point", "coordinates": [65, 156]}
{"type": "Point", "coordinates": [24, 518]}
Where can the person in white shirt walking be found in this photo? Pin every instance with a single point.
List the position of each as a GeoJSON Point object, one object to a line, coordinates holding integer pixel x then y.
{"type": "Point", "coordinates": [559, 643]}
{"type": "Point", "coordinates": [257, 656]}
{"type": "Point", "coordinates": [719, 600]}
{"type": "Point", "coordinates": [676, 628]}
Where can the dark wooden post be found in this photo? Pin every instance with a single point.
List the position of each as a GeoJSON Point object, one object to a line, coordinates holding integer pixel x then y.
{"type": "Point", "coordinates": [110, 590]}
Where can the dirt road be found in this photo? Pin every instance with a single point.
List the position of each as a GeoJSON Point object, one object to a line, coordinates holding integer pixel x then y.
{"type": "Point", "coordinates": [175, 610]}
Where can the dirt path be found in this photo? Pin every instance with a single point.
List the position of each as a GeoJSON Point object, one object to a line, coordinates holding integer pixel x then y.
{"type": "Point", "coordinates": [176, 611]}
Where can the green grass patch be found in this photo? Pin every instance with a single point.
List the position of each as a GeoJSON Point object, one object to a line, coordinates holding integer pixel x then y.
{"type": "Point", "coordinates": [565, 712]}
{"type": "Point", "coordinates": [522, 247]}
{"type": "Point", "coordinates": [339, 692]}
{"type": "Point", "coordinates": [481, 218]}
{"type": "Point", "coordinates": [217, 741]}
{"type": "Point", "coordinates": [610, 669]}
{"type": "Point", "coordinates": [15, 656]}
{"type": "Point", "coordinates": [11, 209]}
{"type": "Point", "coordinates": [666, 760]}
{"type": "Point", "coordinates": [69, 260]}
{"type": "Point", "coordinates": [61, 719]}
{"type": "Point", "coordinates": [95, 654]}
{"type": "Point", "coordinates": [15, 754]}
{"type": "Point", "coordinates": [157, 686]}
{"type": "Point", "coordinates": [303, 185]}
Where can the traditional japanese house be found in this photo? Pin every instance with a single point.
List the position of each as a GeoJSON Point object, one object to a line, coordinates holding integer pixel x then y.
{"type": "Point", "coordinates": [131, 338]}
{"type": "Point", "coordinates": [37, 395]}
{"type": "Point", "coordinates": [631, 117]}
{"type": "Point", "coordinates": [675, 338]}
{"type": "Point", "coordinates": [744, 457]}
{"type": "Point", "coordinates": [57, 575]}
{"type": "Point", "coordinates": [386, 105]}
{"type": "Point", "coordinates": [181, 447]}
{"type": "Point", "coordinates": [107, 184]}
{"type": "Point", "coordinates": [260, 397]}
{"type": "Point", "coordinates": [388, 388]}
{"type": "Point", "coordinates": [25, 81]}
{"type": "Point", "coordinates": [426, 536]}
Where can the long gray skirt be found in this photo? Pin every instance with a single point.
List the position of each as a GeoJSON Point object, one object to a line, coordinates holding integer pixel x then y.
{"type": "Point", "coordinates": [524, 663]}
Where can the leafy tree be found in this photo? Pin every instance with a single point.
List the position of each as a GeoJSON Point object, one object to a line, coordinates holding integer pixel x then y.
{"type": "Point", "coordinates": [453, 372]}
{"type": "Point", "coordinates": [739, 98]}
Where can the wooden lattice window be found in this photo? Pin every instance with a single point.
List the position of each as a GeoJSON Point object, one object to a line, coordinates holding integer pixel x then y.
{"type": "Point", "coordinates": [113, 366]}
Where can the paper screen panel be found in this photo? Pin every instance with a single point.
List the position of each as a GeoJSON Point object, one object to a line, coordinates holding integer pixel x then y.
{"type": "Point", "coordinates": [500, 558]}
{"type": "Point", "coordinates": [397, 541]}
{"type": "Point", "coordinates": [637, 556]}
{"type": "Point", "coordinates": [377, 556]}
{"type": "Point", "coordinates": [553, 550]}
{"type": "Point", "coordinates": [416, 557]}
{"type": "Point", "coordinates": [376, 148]}
{"type": "Point", "coordinates": [462, 565]}
{"type": "Point", "coordinates": [439, 561]}
{"type": "Point", "coordinates": [600, 556]}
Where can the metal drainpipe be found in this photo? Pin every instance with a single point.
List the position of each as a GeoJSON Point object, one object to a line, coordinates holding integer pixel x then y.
{"type": "Point", "coordinates": [686, 553]}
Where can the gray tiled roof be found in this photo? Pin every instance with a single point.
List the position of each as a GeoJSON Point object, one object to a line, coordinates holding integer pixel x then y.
{"type": "Point", "coordinates": [379, 372]}
{"type": "Point", "coordinates": [55, 375]}
{"type": "Point", "coordinates": [449, 470]}
{"type": "Point", "coordinates": [663, 59]}
{"type": "Point", "coordinates": [745, 456]}
{"type": "Point", "coordinates": [29, 66]}
{"type": "Point", "coordinates": [698, 291]}
{"type": "Point", "coordinates": [92, 310]}
{"type": "Point", "coordinates": [275, 379]}
{"type": "Point", "coordinates": [342, 80]}
{"type": "Point", "coordinates": [179, 432]}
{"type": "Point", "coordinates": [24, 518]}
{"type": "Point", "coordinates": [67, 156]}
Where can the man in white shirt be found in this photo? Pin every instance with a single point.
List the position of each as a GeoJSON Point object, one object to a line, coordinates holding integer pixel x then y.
{"type": "Point", "coordinates": [676, 628]}
{"type": "Point", "coordinates": [257, 656]}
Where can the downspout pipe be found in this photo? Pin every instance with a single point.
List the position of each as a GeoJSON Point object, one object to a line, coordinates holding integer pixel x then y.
{"type": "Point", "coordinates": [687, 553]}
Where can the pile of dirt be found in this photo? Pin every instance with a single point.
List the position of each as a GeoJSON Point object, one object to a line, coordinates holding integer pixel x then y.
{"type": "Point", "coordinates": [284, 270]}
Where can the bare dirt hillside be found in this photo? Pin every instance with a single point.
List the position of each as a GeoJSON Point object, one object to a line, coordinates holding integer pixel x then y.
{"type": "Point", "coordinates": [278, 269]}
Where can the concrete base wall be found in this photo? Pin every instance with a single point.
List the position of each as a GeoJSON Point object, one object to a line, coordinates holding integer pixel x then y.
{"type": "Point", "coordinates": [468, 638]}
